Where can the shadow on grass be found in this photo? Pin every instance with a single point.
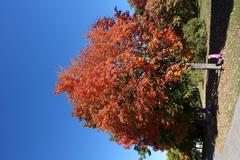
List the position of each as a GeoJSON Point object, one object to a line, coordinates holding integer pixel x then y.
{"type": "Point", "coordinates": [220, 15]}
{"type": "Point", "coordinates": [212, 104]}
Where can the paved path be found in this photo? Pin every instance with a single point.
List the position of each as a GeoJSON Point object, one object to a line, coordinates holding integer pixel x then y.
{"type": "Point", "coordinates": [231, 150]}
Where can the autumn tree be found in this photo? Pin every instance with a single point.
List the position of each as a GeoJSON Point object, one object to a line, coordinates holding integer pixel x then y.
{"type": "Point", "coordinates": [177, 12]}
{"type": "Point", "coordinates": [131, 82]}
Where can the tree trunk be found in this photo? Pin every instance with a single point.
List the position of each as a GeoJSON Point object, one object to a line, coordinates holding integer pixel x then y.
{"type": "Point", "coordinates": [204, 66]}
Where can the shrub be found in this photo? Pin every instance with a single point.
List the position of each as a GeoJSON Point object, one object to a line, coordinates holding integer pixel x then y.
{"type": "Point", "coordinates": [175, 154]}
{"type": "Point", "coordinates": [195, 35]}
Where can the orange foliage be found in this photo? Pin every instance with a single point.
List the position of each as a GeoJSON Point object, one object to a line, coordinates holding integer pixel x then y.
{"type": "Point", "coordinates": [118, 83]}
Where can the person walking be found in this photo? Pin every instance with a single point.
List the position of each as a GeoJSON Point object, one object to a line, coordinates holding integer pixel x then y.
{"type": "Point", "coordinates": [216, 57]}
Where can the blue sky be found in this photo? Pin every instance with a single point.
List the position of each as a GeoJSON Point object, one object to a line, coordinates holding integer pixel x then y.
{"type": "Point", "coordinates": [36, 37]}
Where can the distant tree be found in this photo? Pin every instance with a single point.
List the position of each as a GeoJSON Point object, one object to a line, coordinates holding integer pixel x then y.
{"type": "Point", "coordinates": [177, 12]}
{"type": "Point", "coordinates": [131, 82]}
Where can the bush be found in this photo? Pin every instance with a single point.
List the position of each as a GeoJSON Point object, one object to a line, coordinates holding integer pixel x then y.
{"type": "Point", "coordinates": [175, 154]}
{"type": "Point", "coordinates": [190, 149]}
{"type": "Point", "coordinates": [195, 35]}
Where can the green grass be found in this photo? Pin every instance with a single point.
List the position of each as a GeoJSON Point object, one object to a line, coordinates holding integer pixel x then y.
{"type": "Point", "coordinates": [231, 77]}
{"type": "Point", "coordinates": [199, 76]}
{"type": "Point", "coordinates": [229, 87]}
{"type": "Point", "coordinates": [205, 11]}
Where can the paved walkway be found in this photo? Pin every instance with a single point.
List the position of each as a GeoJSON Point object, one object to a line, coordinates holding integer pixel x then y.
{"type": "Point", "coordinates": [231, 150]}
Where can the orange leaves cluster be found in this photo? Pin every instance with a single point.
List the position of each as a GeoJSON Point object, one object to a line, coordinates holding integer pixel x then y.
{"type": "Point", "coordinates": [118, 83]}
{"type": "Point", "coordinates": [175, 72]}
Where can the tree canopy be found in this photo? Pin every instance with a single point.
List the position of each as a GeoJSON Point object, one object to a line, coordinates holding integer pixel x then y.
{"type": "Point", "coordinates": [131, 81]}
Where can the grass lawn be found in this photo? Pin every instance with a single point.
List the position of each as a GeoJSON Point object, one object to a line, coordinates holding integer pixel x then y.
{"type": "Point", "coordinates": [205, 14]}
{"type": "Point", "coordinates": [229, 87]}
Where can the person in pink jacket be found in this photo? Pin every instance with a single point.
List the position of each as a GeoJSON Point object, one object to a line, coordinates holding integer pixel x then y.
{"type": "Point", "coordinates": [216, 56]}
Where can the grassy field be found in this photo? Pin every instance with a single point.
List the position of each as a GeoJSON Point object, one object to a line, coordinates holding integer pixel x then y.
{"type": "Point", "coordinates": [205, 14]}
{"type": "Point", "coordinates": [229, 87]}
{"type": "Point", "coordinates": [228, 42]}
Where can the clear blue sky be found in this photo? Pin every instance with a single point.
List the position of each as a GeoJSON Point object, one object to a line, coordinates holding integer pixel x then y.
{"type": "Point", "coordinates": [36, 37]}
